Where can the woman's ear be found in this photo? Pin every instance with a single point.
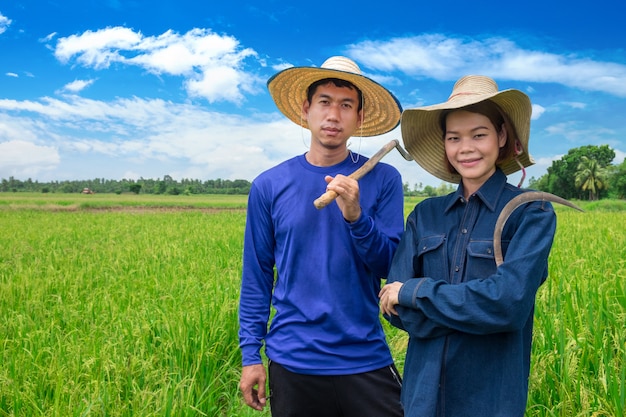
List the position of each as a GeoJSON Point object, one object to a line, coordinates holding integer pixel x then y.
{"type": "Point", "coordinates": [502, 136]}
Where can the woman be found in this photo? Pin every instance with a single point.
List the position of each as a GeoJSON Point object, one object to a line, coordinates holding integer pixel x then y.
{"type": "Point", "coordinates": [469, 321]}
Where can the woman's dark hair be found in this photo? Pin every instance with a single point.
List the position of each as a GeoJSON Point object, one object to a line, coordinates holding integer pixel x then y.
{"type": "Point", "coordinates": [337, 82]}
{"type": "Point", "coordinates": [497, 117]}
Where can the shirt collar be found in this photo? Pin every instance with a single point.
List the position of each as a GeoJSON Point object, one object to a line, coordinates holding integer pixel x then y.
{"type": "Point", "coordinates": [489, 193]}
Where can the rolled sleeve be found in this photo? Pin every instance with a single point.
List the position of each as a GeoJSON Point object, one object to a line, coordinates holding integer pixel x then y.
{"type": "Point", "coordinates": [407, 296]}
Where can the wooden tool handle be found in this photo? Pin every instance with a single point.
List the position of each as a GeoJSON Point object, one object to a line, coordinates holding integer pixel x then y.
{"type": "Point", "coordinates": [328, 197]}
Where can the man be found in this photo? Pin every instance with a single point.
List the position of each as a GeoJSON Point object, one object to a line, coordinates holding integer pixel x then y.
{"type": "Point", "coordinates": [326, 346]}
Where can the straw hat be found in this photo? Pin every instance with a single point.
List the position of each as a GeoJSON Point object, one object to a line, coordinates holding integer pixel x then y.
{"type": "Point", "coordinates": [381, 108]}
{"type": "Point", "coordinates": [423, 138]}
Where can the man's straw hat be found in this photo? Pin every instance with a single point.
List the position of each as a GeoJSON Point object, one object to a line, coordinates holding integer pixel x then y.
{"type": "Point", "coordinates": [381, 108]}
{"type": "Point", "coordinates": [423, 138]}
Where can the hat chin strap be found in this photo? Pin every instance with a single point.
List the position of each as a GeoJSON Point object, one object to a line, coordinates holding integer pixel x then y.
{"type": "Point", "coordinates": [355, 160]}
{"type": "Point", "coordinates": [518, 151]}
{"type": "Point", "coordinates": [358, 153]}
{"type": "Point", "coordinates": [306, 145]}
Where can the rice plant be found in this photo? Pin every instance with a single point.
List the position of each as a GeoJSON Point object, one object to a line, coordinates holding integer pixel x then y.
{"type": "Point", "coordinates": [128, 307]}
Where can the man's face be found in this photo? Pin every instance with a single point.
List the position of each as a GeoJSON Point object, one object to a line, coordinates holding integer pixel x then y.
{"type": "Point", "coordinates": [332, 115]}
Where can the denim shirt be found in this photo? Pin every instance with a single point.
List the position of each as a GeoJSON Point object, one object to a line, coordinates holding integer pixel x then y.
{"type": "Point", "coordinates": [470, 322]}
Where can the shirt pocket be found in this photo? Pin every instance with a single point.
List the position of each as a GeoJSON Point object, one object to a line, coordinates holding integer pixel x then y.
{"type": "Point", "coordinates": [481, 261]}
{"type": "Point", "coordinates": [431, 256]}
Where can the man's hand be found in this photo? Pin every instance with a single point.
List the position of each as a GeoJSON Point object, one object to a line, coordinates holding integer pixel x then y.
{"type": "Point", "coordinates": [348, 196]}
{"type": "Point", "coordinates": [253, 376]}
{"type": "Point", "coordinates": [389, 298]}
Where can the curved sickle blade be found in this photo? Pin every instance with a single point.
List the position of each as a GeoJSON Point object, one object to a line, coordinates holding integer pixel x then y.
{"type": "Point", "coordinates": [510, 208]}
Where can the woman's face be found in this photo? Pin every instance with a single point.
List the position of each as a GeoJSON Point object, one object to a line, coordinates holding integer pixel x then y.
{"type": "Point", "coordinates": [472, 145]}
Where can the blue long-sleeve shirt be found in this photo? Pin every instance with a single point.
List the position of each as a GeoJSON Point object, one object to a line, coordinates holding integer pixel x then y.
{"type": "Point", "coordinates": [470, 322]}
{"type": "Point", "coordinates": [328, 271]}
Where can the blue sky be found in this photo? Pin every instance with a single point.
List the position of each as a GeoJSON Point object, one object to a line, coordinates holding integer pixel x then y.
{"type": "Point", "coordinates": [128, 89]}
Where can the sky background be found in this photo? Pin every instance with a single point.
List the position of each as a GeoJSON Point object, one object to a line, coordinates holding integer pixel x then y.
{"type": "Point", "coordinates": [136, 89]}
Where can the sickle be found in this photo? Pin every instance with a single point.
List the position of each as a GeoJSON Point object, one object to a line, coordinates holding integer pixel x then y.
{"type": "Point", "coordinates": [510, 208]}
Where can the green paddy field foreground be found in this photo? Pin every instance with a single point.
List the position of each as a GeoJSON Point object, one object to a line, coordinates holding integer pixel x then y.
{"type": "Point", "coordinates": [127, 306]}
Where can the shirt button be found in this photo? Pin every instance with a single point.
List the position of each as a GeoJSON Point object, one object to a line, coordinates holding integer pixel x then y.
{"type": "Point", "coordinates": [489, 251]}
{"type": "Point", "coordinates": [456, 269]}
{"type": "Point", "coordinates": [464, 231]}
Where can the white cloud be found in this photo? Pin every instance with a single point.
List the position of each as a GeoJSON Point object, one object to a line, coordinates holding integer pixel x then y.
{"type": "Point", "coordinates": [211, 64]}
{"type": "Point", "coordinates": [22, 159]}
{"type": "Point", "coordinates": [148, 137]}
{"type": "Point", "coordinates": [219, 83]}
{"type": "Point", "coordinates": [545, 162]}
{"type": "Point", "coordinates": [619, 157]}
{"type": "Point", "coordinates": [11, 74]}
{"type": "Point", "coordinates": [575, 104]}
{"type": "Point", "coordinates": [48, 37]}
{"type": "Point", "coordinates": [97, 49]}
{"type": "Point", "coordinates": [77, 85]}
{"type": "Point", "coordinates": [5, 22]}
{"type": "Point", "coordinates": [447, 58]}
{"type": "Point", "coordinates": [578, 133]}
{"type": "Point", "coordinates": [537, 111]}
{"type": "Point", "coordinates": [281, 66]}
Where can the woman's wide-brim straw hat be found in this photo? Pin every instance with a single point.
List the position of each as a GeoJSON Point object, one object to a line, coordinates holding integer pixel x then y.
{"type": "Point", "coordinates": [423, 138]}
{"type": "Point", "coordinates": [381, 108]}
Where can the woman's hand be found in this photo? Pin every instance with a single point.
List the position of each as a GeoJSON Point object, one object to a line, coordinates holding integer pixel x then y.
{"type": "Point", "coordinates": [389, 298]}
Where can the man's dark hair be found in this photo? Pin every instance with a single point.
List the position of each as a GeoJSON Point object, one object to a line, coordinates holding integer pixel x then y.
{"type": "Point", "coordinates": [337, 82]}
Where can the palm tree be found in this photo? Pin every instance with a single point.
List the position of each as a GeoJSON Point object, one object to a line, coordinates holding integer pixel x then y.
{"type": "Point", "coordinates": [590, 176]}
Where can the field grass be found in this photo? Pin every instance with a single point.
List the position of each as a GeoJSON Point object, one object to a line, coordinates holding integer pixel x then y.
{"type": "Point", "coordinates": [127, 306]}
{"type": "Point", "coordinates": [73, 202]}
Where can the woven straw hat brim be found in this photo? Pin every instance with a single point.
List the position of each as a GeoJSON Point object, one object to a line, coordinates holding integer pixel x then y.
{"type": "Point", "coordinates": [423, 138]}
{"type": "Point", "coordinates": [382, 110]}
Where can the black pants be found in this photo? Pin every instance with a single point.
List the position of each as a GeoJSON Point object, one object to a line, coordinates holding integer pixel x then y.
{"type": "Point", "coordinates": [369, 394]}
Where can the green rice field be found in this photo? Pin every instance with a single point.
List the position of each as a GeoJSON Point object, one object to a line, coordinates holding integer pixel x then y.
{"type": "Point", "coordinates": [126, 305]}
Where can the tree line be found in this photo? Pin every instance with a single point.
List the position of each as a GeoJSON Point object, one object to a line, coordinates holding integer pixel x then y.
{"type": "Point", "coordinates": [585, 173]}
{"type": "Point", "coordinates": [167, 185]}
